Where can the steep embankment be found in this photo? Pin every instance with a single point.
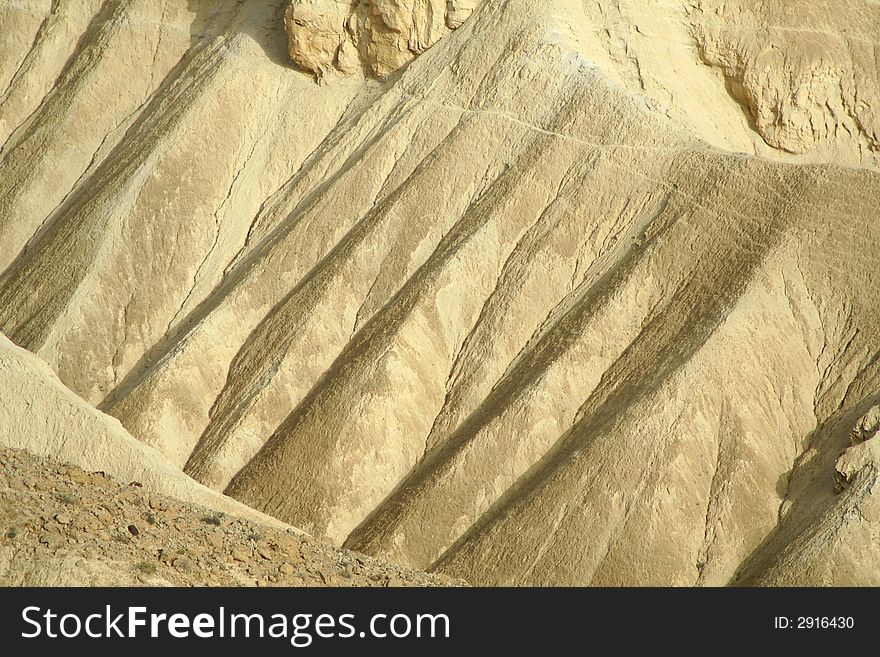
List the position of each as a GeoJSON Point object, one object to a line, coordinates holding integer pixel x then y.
{"type": "Point", "coordinates": [38, 413]}
{"type": "Point", "coordinates": [583, 293]}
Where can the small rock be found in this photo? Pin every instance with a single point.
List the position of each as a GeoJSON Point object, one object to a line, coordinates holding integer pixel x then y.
{"type": "Point", "coordinates": [52, 541]}
{"type": "Point", "coordinates": [77, 476]}
{"type": "Point", "coordinates": [91, 552]}
{"type": "Point", "coordinates": [216, 539]}
{"type": "Point", "coordinates": [63, 518]}
{"type": "Point", "coordinates": [83, 522]}
{"type": "Point", "coordinates": [286, 569]}
{"type": "Point", "coordinates": [103, 514]}
{"type": "Point", "coordinates": [182, 563]}
{"type": "Point", "coordinates": [100, 479]}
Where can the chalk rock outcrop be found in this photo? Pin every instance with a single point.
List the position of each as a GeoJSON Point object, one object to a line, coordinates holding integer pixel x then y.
{"type": "Point", "coordinates": [318, 35]}
{"type": "Point", "coordinates": [378, 35]}
{"type": "Point", "coordinates": [836, 543]}
{"type": "Point", "coordinates": [807, 74]}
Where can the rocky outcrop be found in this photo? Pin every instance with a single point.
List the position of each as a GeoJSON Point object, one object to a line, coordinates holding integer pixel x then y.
{"type": "Point", "coordinates": [318, 35]}
{"type": "Point", "coordinates": [379, 36]}
{"type": "Point", "coordinates": [835, 542]}
{"type": "Point", "coordinates": [544, 308]}
{"type": "Point", "coordinates": [806, 77]}
{"type": "Point", "coordinates": [864, 454]}
{"type": "Point", "coordinates": [867, 427]}
{"type": "Point", "coordinates": [458, 11]}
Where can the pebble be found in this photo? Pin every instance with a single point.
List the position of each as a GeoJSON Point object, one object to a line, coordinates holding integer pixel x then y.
{"type": "Point", "coordinates": [183, 563]}
{"type": "Point", "coordinates": [216, 539]}
{"type": "Point", "coordinates": [52, 541]}
{"type": "Point", "coordinates": [82, 522]}
{"type": "Point", "coordinates": [17, 485]}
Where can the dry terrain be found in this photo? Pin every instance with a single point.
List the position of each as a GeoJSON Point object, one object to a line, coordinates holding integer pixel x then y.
{"type": "Point", "coordinates": [524, 292]}
{"type": "Point", "coordinates": [63, 526]}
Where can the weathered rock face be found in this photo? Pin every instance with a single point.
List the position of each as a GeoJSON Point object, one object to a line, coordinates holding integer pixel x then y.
{"type": "Point", "coordinates": [458, 11]}
{"type": "Point", "coordinates": [379, 36]}
{"type": "Point", "coordinates": [806, 75]}
{"type": "Point", "coordinates": [316, 31]}
{"type": "Point", "coordinates": [836, 543]}
{"type": "Point", "coordinates": [547, 306]}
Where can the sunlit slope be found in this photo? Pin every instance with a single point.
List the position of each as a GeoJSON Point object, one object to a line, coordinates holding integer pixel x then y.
{"type": "Point", "coordinates": [524, 311]}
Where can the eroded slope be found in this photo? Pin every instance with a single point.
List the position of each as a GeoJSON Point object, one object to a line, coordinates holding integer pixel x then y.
{"type": "Point", "coordinates": [63, 526]}
{"type": "Point", "coordinates": [524, 310]}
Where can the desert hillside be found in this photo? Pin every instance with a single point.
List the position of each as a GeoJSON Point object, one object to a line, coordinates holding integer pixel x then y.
{"type": "Point", "coordinates": [519, 291]}
{"type": "Point", "coordinates": [63, 526]}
